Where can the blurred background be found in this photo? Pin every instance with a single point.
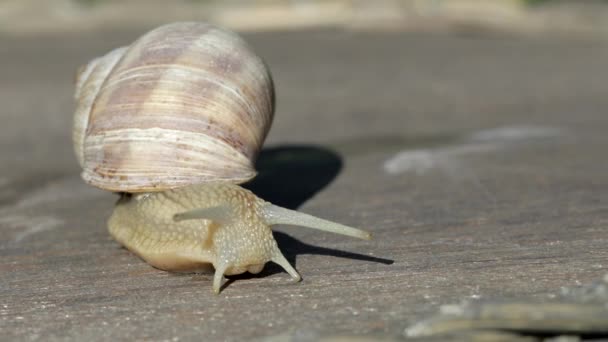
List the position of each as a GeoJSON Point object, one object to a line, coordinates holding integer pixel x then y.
{"type": "Point", "coordinates": [522, 16]}
{"type": "Point", "coordinates": [468, 135]}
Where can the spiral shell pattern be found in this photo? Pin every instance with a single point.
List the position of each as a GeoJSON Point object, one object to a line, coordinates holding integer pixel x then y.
{"type": "Point", "coordinates": [186, 103]}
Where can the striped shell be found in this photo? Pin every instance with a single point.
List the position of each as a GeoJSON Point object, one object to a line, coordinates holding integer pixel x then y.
{"type": "Point", "coordinates": [186, 103]}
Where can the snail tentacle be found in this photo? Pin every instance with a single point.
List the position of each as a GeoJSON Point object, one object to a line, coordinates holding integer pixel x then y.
{"type": "Point", "coordinates": [279, 259]}
{"type": "Point", "coordinates": [274, 215]}
{"type": "Point", "coordinates": [218, 277]}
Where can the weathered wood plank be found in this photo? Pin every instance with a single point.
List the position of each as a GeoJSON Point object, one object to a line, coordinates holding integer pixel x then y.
{"type": "Point", "coordinates": [478, 163]}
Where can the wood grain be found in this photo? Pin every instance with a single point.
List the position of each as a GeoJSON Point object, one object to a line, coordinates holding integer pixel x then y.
{"type": "Point", "coordinates": [496, 187]}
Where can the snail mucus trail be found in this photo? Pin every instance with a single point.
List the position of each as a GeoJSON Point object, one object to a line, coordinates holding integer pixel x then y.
{"type": "Point", "coordinates": [176, 120]}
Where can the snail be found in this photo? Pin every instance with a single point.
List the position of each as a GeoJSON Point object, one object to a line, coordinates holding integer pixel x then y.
{"type": "Point", "coordinates": [174, 123]}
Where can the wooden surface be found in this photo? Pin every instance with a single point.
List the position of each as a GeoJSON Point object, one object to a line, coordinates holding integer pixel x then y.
{"type": "Point", "coordinates": [479, 164]}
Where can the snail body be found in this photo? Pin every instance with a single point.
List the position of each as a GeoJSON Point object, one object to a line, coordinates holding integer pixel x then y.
{"type": "Point", "coordinates": [174, 123]}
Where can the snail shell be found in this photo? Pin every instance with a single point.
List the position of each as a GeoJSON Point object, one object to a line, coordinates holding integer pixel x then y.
{"type": "Point", "coordinates": [186, 103]}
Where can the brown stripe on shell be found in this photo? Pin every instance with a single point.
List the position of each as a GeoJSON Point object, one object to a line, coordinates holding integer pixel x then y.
{"type": "Point", "coordinates": [146, 66]}
{"type": "Point", "coordinates": [177, 158]}
{"type": "Point", "coordinates": [185, 77]}
{"type": "Point", "coordinates": [89, 80]}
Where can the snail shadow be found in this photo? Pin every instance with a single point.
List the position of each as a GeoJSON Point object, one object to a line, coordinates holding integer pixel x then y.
{"type": "Point", "coordinates": [292, 247]}
{"type": "Point", "coordinates": [288, 177]}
